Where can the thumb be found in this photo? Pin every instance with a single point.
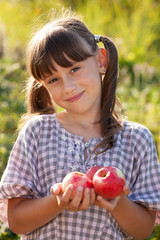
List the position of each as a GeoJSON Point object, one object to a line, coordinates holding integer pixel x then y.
{"type": "Point", "coordinates": [126, 190]}
{"type": "Point", "coordinates": [56, 189]}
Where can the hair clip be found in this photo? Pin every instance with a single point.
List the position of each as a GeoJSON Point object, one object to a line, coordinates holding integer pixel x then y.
{"type": "Point", "coordinates": [97, 38]}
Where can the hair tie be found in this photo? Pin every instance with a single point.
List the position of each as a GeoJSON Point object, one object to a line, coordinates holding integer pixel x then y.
{"type": "Point", "coordinates": [97, 38]}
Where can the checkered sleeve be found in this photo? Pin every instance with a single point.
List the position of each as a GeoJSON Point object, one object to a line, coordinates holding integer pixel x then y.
{"type": "Point", "coordinates": [145, 188]}
{"type": "Point", "coordinates": [20, 178]}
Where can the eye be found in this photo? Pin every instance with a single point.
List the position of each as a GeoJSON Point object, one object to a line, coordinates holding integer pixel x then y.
{"type": "Point", "coordinates": [75, 69]}
{"type": "Point", "coordinates": [53, 80]}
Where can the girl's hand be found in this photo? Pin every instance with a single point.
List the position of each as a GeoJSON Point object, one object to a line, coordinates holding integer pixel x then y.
{"type": "Point", "coordinates": [77, 203]}
{"type": "Point", "coordinates": [111, 204]}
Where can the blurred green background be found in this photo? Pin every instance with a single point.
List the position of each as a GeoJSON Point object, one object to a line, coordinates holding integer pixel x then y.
{"type": "Point", "coordinates": [134, 26]}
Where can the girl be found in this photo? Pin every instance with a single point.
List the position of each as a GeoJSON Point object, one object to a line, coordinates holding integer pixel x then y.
{"type": "Point", "coordinates": [67, 67]}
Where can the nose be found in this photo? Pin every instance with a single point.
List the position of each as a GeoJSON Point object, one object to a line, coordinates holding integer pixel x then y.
{"type": "Point", "coordinates": [69, 84]}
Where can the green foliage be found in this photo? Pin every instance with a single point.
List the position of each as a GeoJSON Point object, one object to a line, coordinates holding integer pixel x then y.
{"type": "Point", "coordinates": [135, 28]}
{"type": "Point", "coordinates": [133, 24]}
{"type": "Point", "coordinates": [12, 106]}
{"type": "Point", "coordinates": [156, 233]}
{"type": "Point", "coordinates": [141, 104]}
{"type": "Point", "coordinates": [6, 233]}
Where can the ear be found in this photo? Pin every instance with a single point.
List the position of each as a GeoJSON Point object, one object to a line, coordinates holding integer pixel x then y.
{"type": "Point", "coordinates": [103, 60]}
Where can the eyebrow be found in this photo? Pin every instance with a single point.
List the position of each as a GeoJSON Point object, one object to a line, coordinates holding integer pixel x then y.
{"type": "Point", "coordinates": [72, 64]}
{"type": "Point", "coordinates": [48, 75]}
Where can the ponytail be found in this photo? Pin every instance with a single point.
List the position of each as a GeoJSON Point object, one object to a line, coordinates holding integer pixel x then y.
{"type": "Point", "coordinates": [37, 98]}
{"type": "Point", "coordinates": [110, 121]}
{"type": "Point", "coordinates": [38, 101]}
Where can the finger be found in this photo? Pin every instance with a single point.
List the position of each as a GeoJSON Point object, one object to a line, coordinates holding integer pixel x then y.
{"type": "Point", "coordinates": [56, 189]}
{"type": "Point", "coordinates": [67, 194]}
{"type": "Point", "coordinates": [126, 190]}
{"type": "Point", "coordinates": [109, 204]}
{"type": "Point", "coordinates": [78, 195]}
{"type": "Point", "coordinates": [93, 196]}
{"type": "Point", "coordinates": [64, 199]}
{"type": "Point", "coordinates": [102, 202]}
{"type": "Point", "coordinates": [86, 201]}
{"type": "Point", "coordinates": [75, 202]}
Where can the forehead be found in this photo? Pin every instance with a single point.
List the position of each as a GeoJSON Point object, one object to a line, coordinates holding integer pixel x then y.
{"type": "Point", "coordinates": [64, 49]}
{"type": "Point", "coordinates": [62, 44]}
{"type": "Point", "coordinates": [54, 67]}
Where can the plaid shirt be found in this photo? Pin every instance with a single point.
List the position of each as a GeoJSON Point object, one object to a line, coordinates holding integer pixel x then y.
{"type": "Point", "coordinates": [45, 152]}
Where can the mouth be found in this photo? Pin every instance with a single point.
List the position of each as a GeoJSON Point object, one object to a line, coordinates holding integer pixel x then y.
{"type": "Point", "coordinates": [75, 97]}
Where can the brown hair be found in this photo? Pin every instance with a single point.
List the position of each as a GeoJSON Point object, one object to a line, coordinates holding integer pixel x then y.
{"type": "Point", "coordinates": [66, 37]}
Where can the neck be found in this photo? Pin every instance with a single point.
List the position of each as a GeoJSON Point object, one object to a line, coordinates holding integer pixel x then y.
{"type": "Point", "coordinates": [83, 125]}
{"type": "Point", "coordinates": [84, 120]}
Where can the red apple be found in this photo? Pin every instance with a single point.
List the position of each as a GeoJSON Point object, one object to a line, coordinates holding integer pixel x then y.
{"type": "Point", "coordinates": [108, 182]}
{"type": "Point", "coordinates": [91, 171]}
{"type": "Point", "coordinates": [77, 179]}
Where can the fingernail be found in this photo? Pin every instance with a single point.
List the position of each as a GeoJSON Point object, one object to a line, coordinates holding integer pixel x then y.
{"type": "Point", "coordinates": [54, 189]}
{"type": "Point", "coordinates": [99, 198]}
{"type": "Point", "coordinates": [71, 187]}
{"type": "Point", "coordinates": [80, 188]}
{"type": "Point", "coordinates": [92, 190]}
{"type": "Point", "coordinates": [87, 190]}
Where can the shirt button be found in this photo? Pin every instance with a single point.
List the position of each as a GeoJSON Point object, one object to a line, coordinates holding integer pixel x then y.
{"type": "Point", "coordinates": [87, 144]}
{"type": "Point", "coordinates": [73, 169]}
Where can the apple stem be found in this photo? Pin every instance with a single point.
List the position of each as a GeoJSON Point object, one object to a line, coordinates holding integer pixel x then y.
{"type": "Point", "coordinates": [103, 174]}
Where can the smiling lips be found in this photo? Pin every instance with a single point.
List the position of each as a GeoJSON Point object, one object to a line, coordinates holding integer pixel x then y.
{"type": "Point", "coordinates": [75, 98]}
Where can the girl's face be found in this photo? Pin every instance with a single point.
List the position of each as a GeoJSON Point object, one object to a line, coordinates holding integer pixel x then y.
{"type": "Point", "coordinates": [77, 88]}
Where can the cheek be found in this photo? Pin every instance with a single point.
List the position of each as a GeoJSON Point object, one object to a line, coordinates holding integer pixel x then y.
{"type": "Point", "coordinates": [55, 94]}
{"type": "Point", "coordinates": [95, 81]}
{"type": "Point", "coordinates": [92, 77]}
